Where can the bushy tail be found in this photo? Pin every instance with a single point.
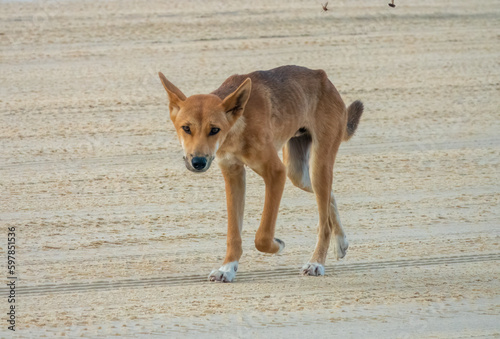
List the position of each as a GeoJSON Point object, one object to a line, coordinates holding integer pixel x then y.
{"type": "Point", "coordinates": [354, 112]}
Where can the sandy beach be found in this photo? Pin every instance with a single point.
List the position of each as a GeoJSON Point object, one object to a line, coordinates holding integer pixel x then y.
{"type": "Point", "coordinates": [114, 237]}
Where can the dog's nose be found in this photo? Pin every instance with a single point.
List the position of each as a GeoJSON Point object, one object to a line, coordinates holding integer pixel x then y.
{"type": "Point", "coordinates": [199, 163]}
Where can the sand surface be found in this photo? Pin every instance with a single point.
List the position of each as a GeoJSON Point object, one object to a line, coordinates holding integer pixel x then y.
{"type": "Point", "coordinates": [116, 238]}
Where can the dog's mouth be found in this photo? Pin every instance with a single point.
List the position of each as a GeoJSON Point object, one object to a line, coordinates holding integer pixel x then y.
{"type": "Point", "coordinates": [198, 164]}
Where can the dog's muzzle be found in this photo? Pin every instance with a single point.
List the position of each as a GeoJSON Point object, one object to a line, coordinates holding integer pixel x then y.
{"type": "Point", "coordinates": [198, 164]}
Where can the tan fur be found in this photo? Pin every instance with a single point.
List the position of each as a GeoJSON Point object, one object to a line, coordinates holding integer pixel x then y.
{"type": "Point", "coordinates": [289, 107]}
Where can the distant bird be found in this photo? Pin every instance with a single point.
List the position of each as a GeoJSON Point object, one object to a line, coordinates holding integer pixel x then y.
{"type": "Point", "coordinates": [325, 6]}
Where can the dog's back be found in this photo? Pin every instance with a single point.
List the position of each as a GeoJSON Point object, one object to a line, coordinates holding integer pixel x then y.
{"type": "Point", "coordinates": [285, 87]}
{"type": "Point", "coordinates": [289, 98]}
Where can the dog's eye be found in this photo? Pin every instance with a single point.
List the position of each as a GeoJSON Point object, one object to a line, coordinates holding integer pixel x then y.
{"type": "Point", "coordinates": [186, 129]}
{"type": "Point", "coordinates": [214, 131]}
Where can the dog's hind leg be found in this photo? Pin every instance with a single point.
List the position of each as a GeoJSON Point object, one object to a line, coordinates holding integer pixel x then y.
{"type": "Point", "coordinates": [340, 243]}
{"type": "Point", "coordinates": [296, 154]}
{"type": "Point", "coordinates": [323, 154]}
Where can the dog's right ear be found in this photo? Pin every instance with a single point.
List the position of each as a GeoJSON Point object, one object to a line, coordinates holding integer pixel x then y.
{"type": "Point", "coordinates": [175, 96]}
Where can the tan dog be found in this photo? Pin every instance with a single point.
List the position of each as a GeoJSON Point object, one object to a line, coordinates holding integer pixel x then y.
{"type": "Point", "coordinates": [245, 122]}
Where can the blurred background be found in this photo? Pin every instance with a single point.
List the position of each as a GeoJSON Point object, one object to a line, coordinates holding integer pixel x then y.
{"type": "Point", "coordinates": [116, 237]}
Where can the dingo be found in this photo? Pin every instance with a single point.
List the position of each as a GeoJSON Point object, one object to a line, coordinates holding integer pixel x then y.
{"type": "Point", "coordinates": [245, 122]}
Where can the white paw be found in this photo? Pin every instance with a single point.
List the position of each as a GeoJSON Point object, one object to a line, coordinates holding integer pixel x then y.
{"type": "Point", "coordinates": [313, 268]}
{"type": "Point", "coordinates": [340, 245]}
{"type": "Point", "coordinates": [225, 273]}
{"type": "Point", "coordinates": [281, 243]}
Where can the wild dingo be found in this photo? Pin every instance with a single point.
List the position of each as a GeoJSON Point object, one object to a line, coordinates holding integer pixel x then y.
{"type": "Point", "coordinates": [245, 122]}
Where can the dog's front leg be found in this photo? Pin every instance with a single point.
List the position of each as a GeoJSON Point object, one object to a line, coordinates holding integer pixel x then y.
{"type": "Point", "coordinates": [274, 174]}
{"type": "Point", "coordinates": [234, 177]}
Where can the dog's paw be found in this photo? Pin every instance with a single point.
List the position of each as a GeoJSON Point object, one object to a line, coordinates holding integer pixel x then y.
{"type": "Point", "coordinates": [225, 273]}
{"type": "Point", "coordinates": [340, 245]}
{"type": "Point", "coordinates": [313, 268]}
{"type": "Point", "coordinates": [281, 243]}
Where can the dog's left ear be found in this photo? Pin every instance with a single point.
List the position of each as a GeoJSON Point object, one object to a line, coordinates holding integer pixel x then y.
{"type": "Point", "coordinates": [175, 96]}
{"type": "Point", "coordinates": [234, 103]}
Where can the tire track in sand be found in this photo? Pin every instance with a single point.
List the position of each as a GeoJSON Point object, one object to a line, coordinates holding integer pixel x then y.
{"type": "Point", "coordinates": [278, 273]}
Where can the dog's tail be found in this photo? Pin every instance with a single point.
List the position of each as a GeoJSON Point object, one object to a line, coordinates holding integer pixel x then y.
{"type": "Point", "coordinates": [354, 112]}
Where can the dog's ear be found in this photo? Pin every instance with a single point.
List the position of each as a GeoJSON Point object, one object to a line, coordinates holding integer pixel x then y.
{"type": "Point", "coordinates": [175, 96]}
{"type": "Point", "coordinates": [234, 103]}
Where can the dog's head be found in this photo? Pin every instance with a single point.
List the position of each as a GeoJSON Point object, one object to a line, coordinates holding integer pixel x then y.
{"type": "Point", "coordinates": [202, 121]}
